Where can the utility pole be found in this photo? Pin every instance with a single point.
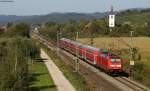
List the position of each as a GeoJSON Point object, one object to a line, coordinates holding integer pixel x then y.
{"type": "Point", "coordinates": [77, 55]}
{"type": "Point", "coordinates": [57, 42]}
{"type": "Point", "coordinates": [131, 53]}
{"type": "Point", "coordinates": [59, 33]}
{"type": "Point", "coordinates": [77, 36]}
{"type": "Point", "coordinates": [60, 29]}
{"type": "Point", "coordinates": [16, 59]}
{"type": "Point", "coordinates": [92, 43]}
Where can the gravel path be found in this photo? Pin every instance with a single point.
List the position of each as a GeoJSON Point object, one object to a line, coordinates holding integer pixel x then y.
{"type": "Point", "coordinates": [60, 81]}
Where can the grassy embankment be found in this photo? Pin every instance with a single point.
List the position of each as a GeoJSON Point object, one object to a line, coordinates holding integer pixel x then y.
{"type": "Point", "coordinates": [76, 80]}
{"type": "Point", "coordinates": [141, 71]}
{"type": "Point", "coordinates": [40, 80]}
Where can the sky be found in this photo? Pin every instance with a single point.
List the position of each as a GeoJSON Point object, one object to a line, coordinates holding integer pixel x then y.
{"type": "Point", "coordinates": [40, 7]}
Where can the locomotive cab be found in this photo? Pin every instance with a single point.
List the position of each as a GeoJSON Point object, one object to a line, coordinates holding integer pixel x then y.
{"type": "Point", "coordinates": [114, 63]}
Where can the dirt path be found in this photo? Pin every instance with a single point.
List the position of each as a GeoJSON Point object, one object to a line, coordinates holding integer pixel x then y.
{"type": "Point", "coordinates": [60, 81]}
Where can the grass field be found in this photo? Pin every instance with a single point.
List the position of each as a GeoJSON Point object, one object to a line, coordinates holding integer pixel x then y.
{"type": "Point", "coordinates": [142, 43]}
{"type": "Point", "coordinates": [40, 79]}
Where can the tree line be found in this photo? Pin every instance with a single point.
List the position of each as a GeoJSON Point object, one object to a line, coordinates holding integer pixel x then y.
{"type": "Point", "coordinates": [95, 28]}
{"type": "Point", "coordinates": [16, 50]}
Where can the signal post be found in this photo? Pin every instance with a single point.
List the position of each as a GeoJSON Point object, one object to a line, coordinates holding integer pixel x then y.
{"type": "Point", "coordinates": [111, 22]}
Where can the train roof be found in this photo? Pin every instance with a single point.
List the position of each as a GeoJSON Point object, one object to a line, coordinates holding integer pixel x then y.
{"type": "Point", "coordinates": [92, 48]}
{"type": "Point", "coordinates": [74, 42]}
{"type": "Point", "coordinates": [79, 44]}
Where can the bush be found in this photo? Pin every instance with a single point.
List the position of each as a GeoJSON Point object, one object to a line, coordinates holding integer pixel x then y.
{"type": "Point", "coordinates": [21, 29]}
{"type": "Point", "coordinates": [139, 66]}
{"type": "Point", "coordinates": [138, 73]}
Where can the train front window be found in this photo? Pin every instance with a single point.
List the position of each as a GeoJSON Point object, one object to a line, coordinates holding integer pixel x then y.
{"type": "Point", "coordinates": [115, 60]}
{"type": "Point", "coordinates": [112, 60]}
{"type": "Point", "coordinates": [118, 60]}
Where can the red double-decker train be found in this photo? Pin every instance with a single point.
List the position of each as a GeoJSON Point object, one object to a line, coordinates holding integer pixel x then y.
{"type": "Point", "coordinates": [100, 58]}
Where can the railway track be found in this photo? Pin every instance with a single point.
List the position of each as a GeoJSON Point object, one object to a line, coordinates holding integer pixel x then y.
{"type": "Point", "coordinates": [93, 79]}
{"type": "Point", "coordinates": [131, 84]}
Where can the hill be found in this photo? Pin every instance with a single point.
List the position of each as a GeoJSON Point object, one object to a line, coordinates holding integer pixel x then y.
{"type": "Point", "coordinates": [134, 17]}
{"type": "Point", "coordinates": [12, 18]}
{"type": "Point", "coordinates": [64, 17]}
{"type": "Point", "coordinates": [53, 17]}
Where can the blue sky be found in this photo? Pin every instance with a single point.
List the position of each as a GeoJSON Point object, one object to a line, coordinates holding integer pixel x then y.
{"type": "Point", "coordinates": [37, 7]}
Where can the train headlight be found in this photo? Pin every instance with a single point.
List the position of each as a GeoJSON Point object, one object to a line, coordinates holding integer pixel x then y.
{"type": "Point", "coordinates": [112, 65]}
{"type": "Point", "coordinates": [118, 65]}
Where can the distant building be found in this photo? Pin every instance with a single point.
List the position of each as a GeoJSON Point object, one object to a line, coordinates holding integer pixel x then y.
{"type": "Point", "coordinates": [36, 29]}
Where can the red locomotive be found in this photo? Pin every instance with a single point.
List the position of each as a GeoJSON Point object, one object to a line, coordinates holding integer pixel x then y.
{"type": "Point", "coordinates": [101, 58]}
